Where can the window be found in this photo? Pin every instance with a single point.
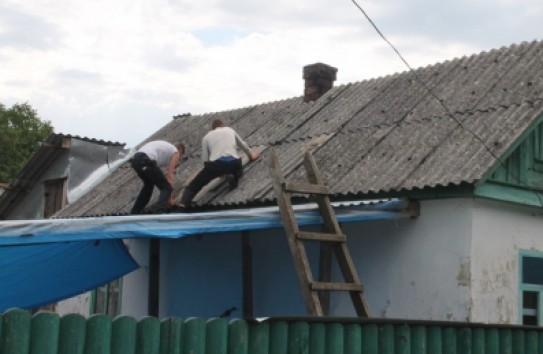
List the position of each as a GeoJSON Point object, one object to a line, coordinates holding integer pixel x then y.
{"type": "Point", "coordinates": [107, 299]}
{"type": "Point", "coordinates": [531, 287]}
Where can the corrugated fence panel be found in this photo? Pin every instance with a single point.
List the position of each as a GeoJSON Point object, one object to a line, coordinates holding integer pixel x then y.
{"type": "Point", "coordinates": [47, 333]}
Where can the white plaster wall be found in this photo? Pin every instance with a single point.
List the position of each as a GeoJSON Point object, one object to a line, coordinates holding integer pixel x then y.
{"type": "Point", "coordinates": [136, 283]}
{"type": "Point", "coordinates": [500, 232]}
{"type": "Point", "coordinates": [414, 269]}
{"type": "Point", "coordinates": [78, 304]}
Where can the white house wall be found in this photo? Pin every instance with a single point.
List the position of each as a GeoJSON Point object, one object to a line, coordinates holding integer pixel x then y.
{"type": "Point", "coordinates": [500, 232]}
{"type": "Point", "coordinates": [414, 269]}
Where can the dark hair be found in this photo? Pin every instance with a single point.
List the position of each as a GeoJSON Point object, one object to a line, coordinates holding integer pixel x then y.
{"type": "Point", "coordinates": [217, 123]}
{"type": "Point", "coordinates": [180, 146]}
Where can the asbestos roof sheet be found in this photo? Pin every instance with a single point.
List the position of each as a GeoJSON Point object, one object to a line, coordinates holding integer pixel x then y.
{"type": "Point", "coordinates": [440, 125]}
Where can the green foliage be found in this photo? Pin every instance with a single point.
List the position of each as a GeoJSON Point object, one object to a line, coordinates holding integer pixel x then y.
{"type": "Point", "coordinates": [21, 134]}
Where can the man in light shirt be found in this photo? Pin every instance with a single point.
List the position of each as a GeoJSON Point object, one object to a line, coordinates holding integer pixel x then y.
{"type": "Point", "coordinates": [148, 162]}
{"type": "Point", "coordinates": [220, 158]}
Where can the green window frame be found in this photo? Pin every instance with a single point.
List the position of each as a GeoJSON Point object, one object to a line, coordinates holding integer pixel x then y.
{"type": "Point", "coordinates": [531, 288]}
{"type": "Point", "coordinates": [106, 299]}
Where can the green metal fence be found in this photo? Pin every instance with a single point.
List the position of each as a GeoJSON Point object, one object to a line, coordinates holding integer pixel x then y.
{"type": "Point", "coordinates": [47, 333]}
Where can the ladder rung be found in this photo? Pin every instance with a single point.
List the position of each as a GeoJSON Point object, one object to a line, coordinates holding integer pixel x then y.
{"type": "Point", "coordinates": [319, 236]}
{"type": "Point", "coordinates": [337, 287]}
{"type": "Point", "coordinates": [306, 188]}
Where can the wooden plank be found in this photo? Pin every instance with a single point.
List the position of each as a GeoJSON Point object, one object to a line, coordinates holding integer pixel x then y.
{"type": "Point", "coordinates": [320, 236]}
{"type": "Point", "coordinates": [336, 286]}
{"type": "Point", "coordinates": [305, 188]}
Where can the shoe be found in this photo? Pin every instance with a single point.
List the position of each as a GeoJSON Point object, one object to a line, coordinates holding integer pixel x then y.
{"type": "Point", "coordinates": [232, 182]}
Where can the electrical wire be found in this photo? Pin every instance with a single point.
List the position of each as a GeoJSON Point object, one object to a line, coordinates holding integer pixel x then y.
{"type": "Point", "coordinates": [441, 102]}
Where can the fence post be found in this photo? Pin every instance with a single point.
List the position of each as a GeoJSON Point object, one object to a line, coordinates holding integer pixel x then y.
{"type": "Point", "coordinates": [386, 339]}
{"type": "Point", "coordinates": [317, 338]}
{"type": "Point", "coordinates": [216, 336]}
{"type": "Point", "coordinates": [478, 341]}
{"type": "Point", "coordinates": [259, 338]}
{"type": "Point", "coordinates": [98, 336]}
{"type": "Point", "coordinates": [353, 339]}
{"type": "Point", "coordinates": [123, 335]}
{"type": "Point", "coordinates": [402, 340]}
{"type": "Point", "coordinates": [370, 342]}
{"type": "Point", "coordinates": [44, 333]}
{"type": "Point", "coordinates": [449, 340]}
{"type": "Point", "coordinates": [334, 338]}
{"type": "Point", "coordinates": [194, 336]}
{"type": "Point", "coordinates": [15, 332]}
{"type": "Point", "coordinates": [148, 336]}
{"type": "Point", "coordinates": [298, 338]}
{"type": "Point", "coordinates": [418, 340]}
{"type": "Point", "coordinates": [241, 337]}
{"type": "Point", "coordinates": [531, 342]}
{"type": "Point", "coordinates": [435, 340]}
{"type": "Point", "coordinates": [279, 337]}
{"type": "Point", "coordinates": [464, 345]}
{"type": "Point", "coordinates": [72, 334]}
{"type": "Point", "coordinates": [170, 335]}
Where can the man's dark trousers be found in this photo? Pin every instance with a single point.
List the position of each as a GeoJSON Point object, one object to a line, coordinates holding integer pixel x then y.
{"type": "Point", "coordinates": [151, 175]}
{"type": "Point", "coordinates": [211, 170]}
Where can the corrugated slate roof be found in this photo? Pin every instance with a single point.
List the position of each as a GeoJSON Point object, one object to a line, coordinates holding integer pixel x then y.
{"type": "Point", "coordinates": [387, 134]}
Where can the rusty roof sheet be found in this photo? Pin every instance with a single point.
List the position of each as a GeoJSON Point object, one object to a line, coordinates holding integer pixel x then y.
{"type": "Point", "coordinates": [384, 135]}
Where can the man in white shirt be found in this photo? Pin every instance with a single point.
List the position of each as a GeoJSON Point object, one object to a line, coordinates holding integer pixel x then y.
{"type": "Point", "coordinates": [147, 162]}
{"type": "Point", "coordinates": [220, 158]}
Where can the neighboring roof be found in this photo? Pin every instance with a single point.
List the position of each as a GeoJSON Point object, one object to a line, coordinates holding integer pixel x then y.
{"type": "Point", "coordinates": [38, 164]}
{"type": "Point", "coordinates": [381, 136]}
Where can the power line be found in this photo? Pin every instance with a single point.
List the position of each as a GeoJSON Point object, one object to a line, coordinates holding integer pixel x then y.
{"type": "Point", "coordinates": [441, 102]}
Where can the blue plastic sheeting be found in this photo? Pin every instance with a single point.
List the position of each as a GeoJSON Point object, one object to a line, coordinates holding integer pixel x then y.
{"type": "Point", "coordinates": [181, 225]}
{"type": "Point", "coordinates": [36, 275]}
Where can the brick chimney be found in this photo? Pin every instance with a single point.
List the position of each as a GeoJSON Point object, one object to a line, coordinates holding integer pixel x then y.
{"type": "Point", "coordinates": [319, 78]}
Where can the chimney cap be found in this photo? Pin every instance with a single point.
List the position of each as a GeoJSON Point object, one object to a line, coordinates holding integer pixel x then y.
{"type": "Point", "coordinates": [319, 70]}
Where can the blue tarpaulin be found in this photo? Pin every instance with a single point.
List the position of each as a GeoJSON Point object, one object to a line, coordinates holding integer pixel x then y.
{"type": "Point", "coordinates": [42, 261]}
{"type": "Point", "coordinates": [40, 274]}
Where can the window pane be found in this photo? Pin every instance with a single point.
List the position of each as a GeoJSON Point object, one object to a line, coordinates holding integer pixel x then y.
{"type": "Point", "coordinates": [529, 307]}
{"type": "Point", "coordinates": [100, 299]}
{"type": "Point", "coordinates": [532, 270]}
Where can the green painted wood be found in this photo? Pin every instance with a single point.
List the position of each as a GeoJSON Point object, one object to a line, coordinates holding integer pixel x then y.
{"type": "Point", "coordinates": [506, 341]}
{"type": "Point", "coordinates": [98, 335]}
{"type": "Point", "coordinates": [259, 339]}
{"type": "Point", "coordinates": [44, 332]}
{"type": "Point", "coordinates": [517, 342]}
{"type": "Point", "coordinates": [317, 338]}
{"type": "Point", "coordinates": [531, 344]}
{"type": "Point", "coordinates": [334, 338]}
{"type": "Point", "coordinates": [402, 340]}
{"type": "Point", "coordinates": [170, 335]}
{"type": "Point", "coordinates": [540, 341]}
{"type": "Point", "coordinates": [148, 336]}
{"type": "Point", "coordinates": [194, 336]}
{"type": "Point", "coordinates": [353, 339]}
{"type": "Point", "coordinates": [492, 340]}
{"type": "Point", "coordinates": [216, 336]}
{"type": "Point", "coordinates": [15, 332]}
{"type": "Point", "coordinates": [370, 340]}
{"type": "Point", "coordinates": [418, 340]}
{"type": "Point", "coordinates": [243, 339]}
{"type": "Point", "coordinates": [298, 338]}
{"type": "Point", "coordinates": [449, 340]}
{"type": "Point", "coordinates": [279, 337]}
{"type": "Point", "coordinates": [478, 341]}
{"type": "Point", "coordinates": [72, 334]}
{"type": "Point", "coordinates": [435, 342]}
{"type": "Point", "coordinates": [123, 335]}
{"type": "Point", "coordinates": [386, 339]}
{"type": "Point", "coordinates": [464, 342]}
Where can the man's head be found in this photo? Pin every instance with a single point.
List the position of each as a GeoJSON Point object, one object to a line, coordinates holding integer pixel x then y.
{"type": "Point", "coordinates": [180, 147]}
{"type": "Point", "coordinates": [217, 123]}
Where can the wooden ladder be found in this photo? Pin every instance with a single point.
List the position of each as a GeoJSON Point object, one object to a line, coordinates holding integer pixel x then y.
{"type": "Point", "coordinates": [332, 235]}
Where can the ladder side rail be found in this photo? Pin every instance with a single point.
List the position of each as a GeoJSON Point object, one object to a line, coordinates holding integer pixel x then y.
{"type": "Point", "coordinates": [297, 249]}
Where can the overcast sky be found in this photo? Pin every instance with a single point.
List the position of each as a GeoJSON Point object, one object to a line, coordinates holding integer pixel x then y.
{"type": "Point", "coordinates": [120, 69]}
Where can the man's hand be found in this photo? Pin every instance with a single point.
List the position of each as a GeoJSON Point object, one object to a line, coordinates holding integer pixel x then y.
{"type": "Point", "coordinates": [254, 155]}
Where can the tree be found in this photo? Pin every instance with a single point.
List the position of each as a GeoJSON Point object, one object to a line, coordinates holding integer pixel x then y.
{"type": "Point", "coordinates": [21, 134]}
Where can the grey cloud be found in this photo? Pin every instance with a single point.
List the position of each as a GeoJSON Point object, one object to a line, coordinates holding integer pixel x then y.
{"type": "Point", "coordinates": [24, 31]}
